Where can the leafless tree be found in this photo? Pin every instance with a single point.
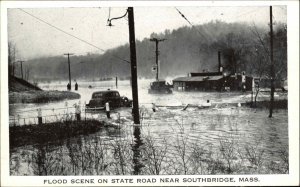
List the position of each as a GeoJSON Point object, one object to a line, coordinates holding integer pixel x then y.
{"type": "Point", "coordinates": [260, 54]}
{"type": "Point", "coordinates": [12, 51]}
{"type": "Point", "coordinates": [27, 73]}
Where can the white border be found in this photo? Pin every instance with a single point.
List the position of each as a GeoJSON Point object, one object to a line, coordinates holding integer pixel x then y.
{"type": "Point", "coordinates": [293, 83]}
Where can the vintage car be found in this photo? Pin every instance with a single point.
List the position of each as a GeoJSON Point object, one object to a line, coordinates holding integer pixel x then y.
{"type": "Point", "coordinates": [113, 97]}
{"type": "Point", "coordinates": [160, 87]}
{"type": "Point", "coordinates": [284, 85]}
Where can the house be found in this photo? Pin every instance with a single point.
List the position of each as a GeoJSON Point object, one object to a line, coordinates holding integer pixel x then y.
{"type": "Point", "coordinates": [199, 82]}
{"type": "Point", "coordinates": [213, 81]}
{"type": "Point", "coordinates": [237, 81]}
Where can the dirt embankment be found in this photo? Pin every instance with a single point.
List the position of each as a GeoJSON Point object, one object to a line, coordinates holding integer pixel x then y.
{"type": "Point", "coordinates": [21, 91]}
{"type": "Point", "coordinates": [19, 85]}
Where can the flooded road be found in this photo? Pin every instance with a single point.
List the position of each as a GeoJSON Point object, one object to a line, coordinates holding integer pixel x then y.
{"type": "Point", "coordinates": [169, 141]}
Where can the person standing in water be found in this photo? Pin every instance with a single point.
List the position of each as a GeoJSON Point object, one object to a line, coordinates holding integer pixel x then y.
{"type": "Point", "coordinates": [76, 86]}
{"type": "Point", "coordinates": [107, 110]}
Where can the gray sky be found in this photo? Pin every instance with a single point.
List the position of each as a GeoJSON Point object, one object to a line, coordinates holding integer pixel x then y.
{"type": "Point", "coordinates": [35, 38]}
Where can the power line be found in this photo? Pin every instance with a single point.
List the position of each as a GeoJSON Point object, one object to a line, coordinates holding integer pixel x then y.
{"type": "Point", "coordinates": [62, 30]}
{"type": "Point", "coordinates": [184, 17]}
{"type": "Point", "coordinates": [245, 13]}
{"type": "Point", "coordinates": [249, 12]}
{"type": "Point", "coordinates": [70, 34]}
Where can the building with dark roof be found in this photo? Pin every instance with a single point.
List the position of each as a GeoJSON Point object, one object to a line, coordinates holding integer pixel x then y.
{"type": "Point", "coordinates": [213, 81]}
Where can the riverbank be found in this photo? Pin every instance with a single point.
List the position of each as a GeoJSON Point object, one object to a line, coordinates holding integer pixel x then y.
{"type": "Point", "coordinates": [49, 132]}
{"type": "Point", "coordinates": [40, 96]}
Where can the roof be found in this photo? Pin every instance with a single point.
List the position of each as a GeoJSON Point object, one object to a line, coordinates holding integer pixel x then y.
{"type": "Point", "coordinates": [105, 91]}
{"type": "Point", "coordinates": [160, 81]}
{"type": "Point", "coordinates": [198, 78]}
{"type": "Point", "coordinates": [206, 74]}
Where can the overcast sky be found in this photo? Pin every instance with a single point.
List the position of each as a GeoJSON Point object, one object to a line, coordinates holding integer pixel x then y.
{"type": "Point", "coordinates": [34, 37]}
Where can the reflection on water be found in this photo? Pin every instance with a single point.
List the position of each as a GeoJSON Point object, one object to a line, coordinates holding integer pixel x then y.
{"type": "Point", "coordinates": [137, 165]}
{"type": "Point", "coordinates": [194, 142]}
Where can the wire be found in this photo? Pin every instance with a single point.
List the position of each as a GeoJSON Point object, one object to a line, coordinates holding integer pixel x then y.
{"type": "Point", "coordinates": [62, 30]}
{"type": "Point", "coordinates": [109, 20]}
{"type": "Point", "coordinates": [246, 13]}
{"type": "Point", "coordinates": [184, 17]}
{"type": "Point", "coordinates": [70, 34]}
{"type": "Point", "coordinates": [190, 23]}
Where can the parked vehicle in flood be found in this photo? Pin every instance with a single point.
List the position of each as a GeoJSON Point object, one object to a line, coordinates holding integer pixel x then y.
{"type": "Point", "coordinates": [160, 87]}
{"type": "Point", "coordinates": [113, 97]}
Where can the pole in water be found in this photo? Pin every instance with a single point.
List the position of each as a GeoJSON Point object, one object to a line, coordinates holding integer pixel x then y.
{"type": "Point", "coordinates": [156, 40]}
{"type": "Point", "coordinates": [70, 84]}
{"type": "Point", "coordinates": [117, 82]}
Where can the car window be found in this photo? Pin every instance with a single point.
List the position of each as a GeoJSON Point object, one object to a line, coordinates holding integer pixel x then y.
{"type": "Point", "coordinates": [97, 95]}
{"type": "Point", "coordinates": [109, 94]}
{"type": "Point", "coordinates": [105, 95]}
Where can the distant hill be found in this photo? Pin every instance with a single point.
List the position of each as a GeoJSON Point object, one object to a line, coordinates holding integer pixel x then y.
{"type": "Point", "coordinates": [18, 85]}
{"type": "Point", "coordinates": [187, 49]}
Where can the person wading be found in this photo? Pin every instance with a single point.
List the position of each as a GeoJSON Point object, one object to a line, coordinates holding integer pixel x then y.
{"type": "Point", "coordinates": [107, 110]}
{"type": "Point", "coordinates": [76, 86]}
{"type": "Point", "coordinates": [69, 86]}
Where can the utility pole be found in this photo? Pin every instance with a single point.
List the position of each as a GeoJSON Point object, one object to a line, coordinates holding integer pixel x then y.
{"type": "Point", "coordinates": [135, 97]}
{"type": "Point", "coordinates": [219, 61]}
{"type": "Point", "coordinates": [272, 63]}
{"type": "Point", "coordinates": [68, 54]}
{"type": "Point", "coordinates": [21, 63]}
{"type": "Point", "coordinates": [233, 61]}
{"type": "Point", "coordinates": [156, 40]}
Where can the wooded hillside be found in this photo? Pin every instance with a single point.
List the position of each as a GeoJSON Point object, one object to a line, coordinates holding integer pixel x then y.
{"type": "Point", "coordinates": [187, 49]}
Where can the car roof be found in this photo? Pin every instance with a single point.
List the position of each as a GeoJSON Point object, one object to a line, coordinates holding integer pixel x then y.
{"type": "Point", "coordinates": [105, 91]}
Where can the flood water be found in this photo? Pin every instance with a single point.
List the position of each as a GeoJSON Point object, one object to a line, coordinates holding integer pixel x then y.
{"type": "Point", "coordinates": [226, 139]}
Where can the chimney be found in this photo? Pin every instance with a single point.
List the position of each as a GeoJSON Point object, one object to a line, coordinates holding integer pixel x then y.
{"type": "Point", "coordinates": [219, 60]}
